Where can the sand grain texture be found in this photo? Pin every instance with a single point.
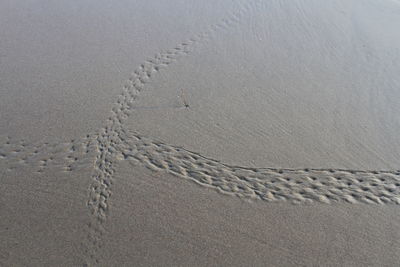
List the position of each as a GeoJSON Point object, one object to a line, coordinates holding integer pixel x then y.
{"type": "Point", "coordinates": [310, 97]}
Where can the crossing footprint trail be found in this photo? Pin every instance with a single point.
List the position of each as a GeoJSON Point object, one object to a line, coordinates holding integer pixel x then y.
{"type": "Point", "coordinates": [114, 143]}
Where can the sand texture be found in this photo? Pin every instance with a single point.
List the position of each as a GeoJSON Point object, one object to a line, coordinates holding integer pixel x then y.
{"type": "Point", "coordinates": [288, 106]}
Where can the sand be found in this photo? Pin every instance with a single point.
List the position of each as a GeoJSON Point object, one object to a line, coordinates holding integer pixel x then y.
{"type": "Point", "coordinates": [199, 133]}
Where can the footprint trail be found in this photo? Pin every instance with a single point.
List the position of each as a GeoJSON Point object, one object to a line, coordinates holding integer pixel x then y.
{"type": "Point", "coordinates": [114, 143]}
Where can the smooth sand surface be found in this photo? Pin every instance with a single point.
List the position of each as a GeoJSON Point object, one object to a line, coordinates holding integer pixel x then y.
{"type": "Point", "coordinates": [202, 228]}
{"type": "Point", "coordinates": [302, 84]}
{"type": "Point", "coordinates": [64, 63]}
{"type": "Point", "coordinates": [199, 133]}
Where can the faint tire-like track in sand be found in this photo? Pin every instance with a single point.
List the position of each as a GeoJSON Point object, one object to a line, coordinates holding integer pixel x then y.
{"type": "Point", "coordinates": [113, 143]}
{"type": "Point", "coordinates": [66, 156]}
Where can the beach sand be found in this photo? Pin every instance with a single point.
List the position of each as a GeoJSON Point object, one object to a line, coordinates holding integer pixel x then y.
{"type": "Point", "coordinates": [201, 133]}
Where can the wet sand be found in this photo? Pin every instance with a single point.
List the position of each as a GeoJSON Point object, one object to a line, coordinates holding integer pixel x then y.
{"type": "Point", "coordinates": [186, 133]}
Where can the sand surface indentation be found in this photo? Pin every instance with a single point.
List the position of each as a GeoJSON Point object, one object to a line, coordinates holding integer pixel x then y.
{"type": "Point", "coordinates": [114, 143]}
{"type": "Point", "coordinates": [268, 184]}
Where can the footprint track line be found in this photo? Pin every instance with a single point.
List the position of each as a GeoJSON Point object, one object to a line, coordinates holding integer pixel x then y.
{"type": "Point", "coordinates": [109, 137]}
{"type": "Point", "coordinates": [113, 143]}
{"type": "Point", "coordinates": [268, 184]}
